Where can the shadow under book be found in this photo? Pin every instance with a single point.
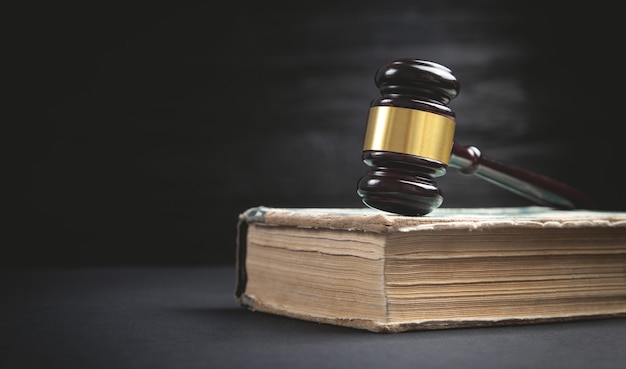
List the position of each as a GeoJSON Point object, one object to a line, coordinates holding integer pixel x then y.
{"type": "Point", "coordinates": [371, 270]}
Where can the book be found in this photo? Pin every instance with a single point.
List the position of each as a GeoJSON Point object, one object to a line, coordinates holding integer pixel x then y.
{"type": "Point", "coordinates": [376, 271]}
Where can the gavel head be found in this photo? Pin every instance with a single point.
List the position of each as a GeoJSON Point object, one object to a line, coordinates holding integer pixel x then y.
{"type": "Point", "coordinates": [409, 137]}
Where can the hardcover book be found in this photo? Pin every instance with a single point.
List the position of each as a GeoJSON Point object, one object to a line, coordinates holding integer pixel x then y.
{"type": "Point", "coordinates": [381, 272]}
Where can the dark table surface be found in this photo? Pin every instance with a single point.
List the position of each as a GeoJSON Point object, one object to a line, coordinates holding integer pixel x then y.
{"type": "Point", "coordinates": [187, 318]}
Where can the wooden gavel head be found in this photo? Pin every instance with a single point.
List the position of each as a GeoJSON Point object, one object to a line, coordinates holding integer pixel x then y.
{"type": "Point", "coordinates": [409, 137]}
{"type": "Point", "coordinates": [409, 140]}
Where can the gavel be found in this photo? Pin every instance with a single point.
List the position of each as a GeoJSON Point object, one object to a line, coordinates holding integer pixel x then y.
{"type": "Point", "coordinates": [409, 141]}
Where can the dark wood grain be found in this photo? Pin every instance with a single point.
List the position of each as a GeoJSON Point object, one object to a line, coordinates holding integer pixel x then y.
{"type": "Point", "coordinates": [539, 189]}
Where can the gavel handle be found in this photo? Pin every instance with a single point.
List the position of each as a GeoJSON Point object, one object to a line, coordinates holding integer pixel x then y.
{"type": "Point", "coordinates": [537, 188]}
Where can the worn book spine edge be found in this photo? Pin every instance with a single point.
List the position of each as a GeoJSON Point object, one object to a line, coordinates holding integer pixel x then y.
{"type": "Point", "coordinates": [251, 215]}
{"type": "Point", "coordinates": [254, 304]}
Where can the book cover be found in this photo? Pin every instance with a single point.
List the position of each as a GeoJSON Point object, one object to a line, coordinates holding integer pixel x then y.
{"type": "Point", "coordinates": [382, 272]}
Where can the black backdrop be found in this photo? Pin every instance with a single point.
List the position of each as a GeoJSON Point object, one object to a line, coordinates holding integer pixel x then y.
{"type": "Point", "coordinates": [142, 132]}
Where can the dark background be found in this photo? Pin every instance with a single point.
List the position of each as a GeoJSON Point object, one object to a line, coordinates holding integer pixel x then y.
{"type": "Point", "coordinates": [141, 132]}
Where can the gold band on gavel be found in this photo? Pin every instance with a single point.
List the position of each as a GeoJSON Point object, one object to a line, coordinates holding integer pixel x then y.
{"type": "Point", "coordinates": [409, 131]}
